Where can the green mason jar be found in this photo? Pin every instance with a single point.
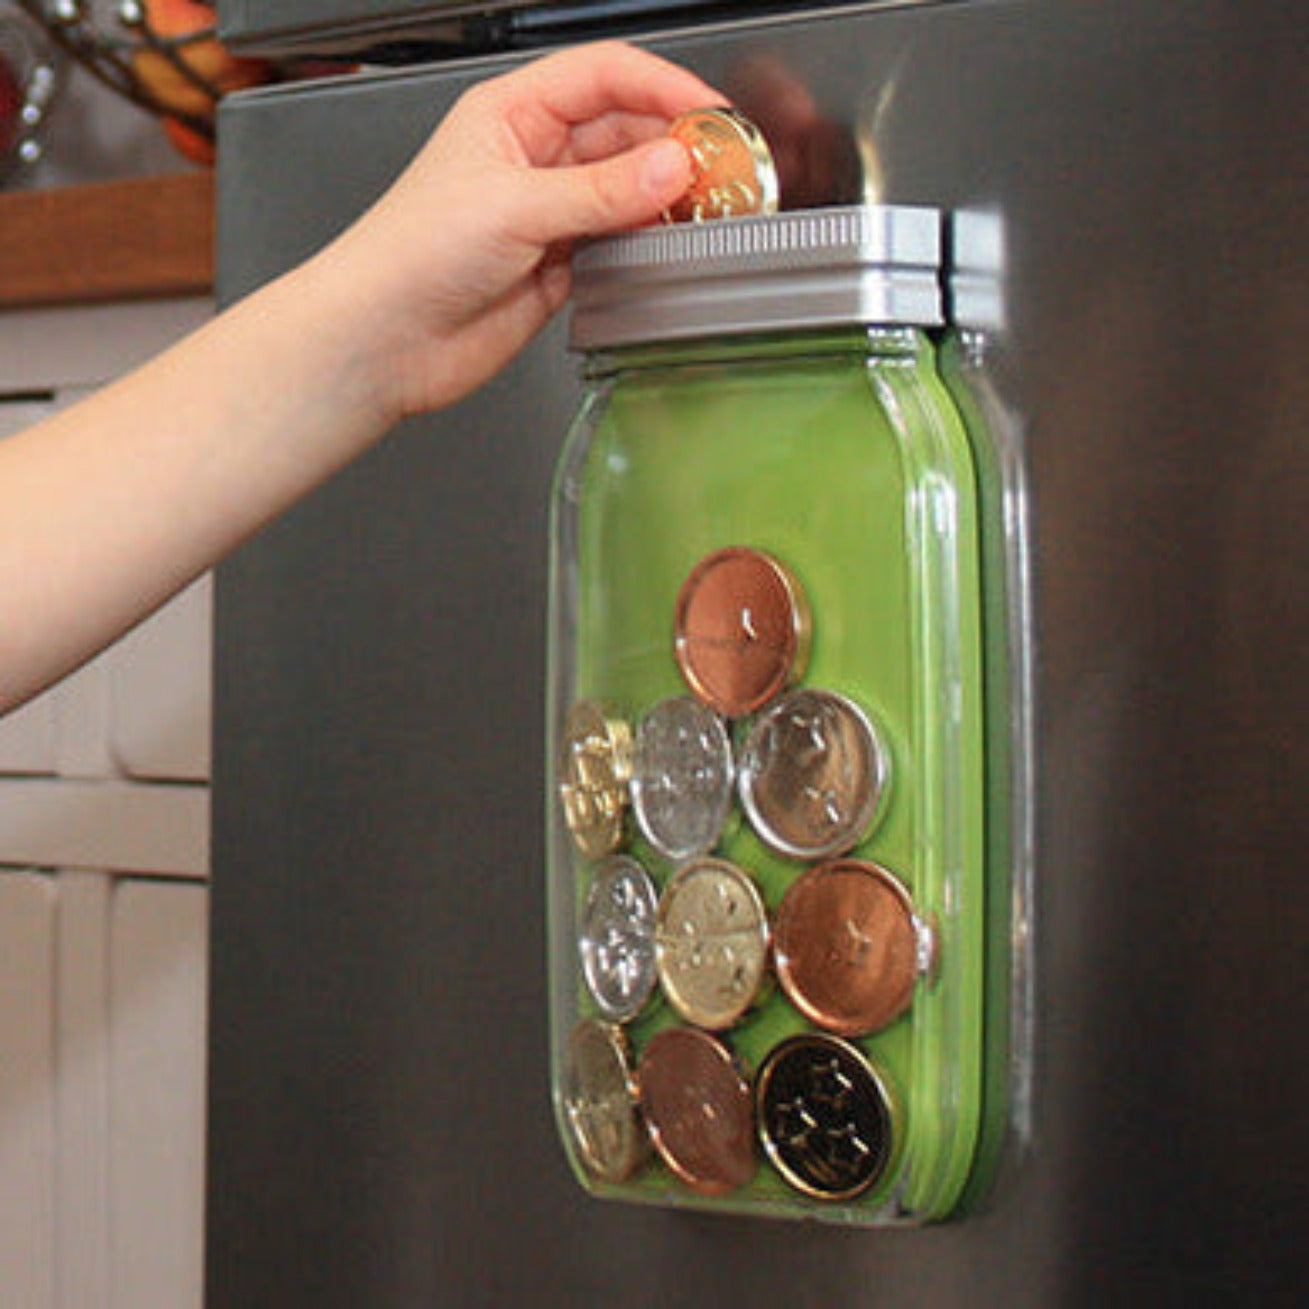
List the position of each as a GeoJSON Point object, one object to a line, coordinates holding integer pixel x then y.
{"type": "Point", "coordinates": [976, 370]}
{"type": "Point", "coordinates": [767, 808]}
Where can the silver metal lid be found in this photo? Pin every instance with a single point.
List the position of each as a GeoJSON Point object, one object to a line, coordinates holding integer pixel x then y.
{"type": "Point", "coordinates": [848, 266]}
{"type": "Point", "coordinates": [977, 270]}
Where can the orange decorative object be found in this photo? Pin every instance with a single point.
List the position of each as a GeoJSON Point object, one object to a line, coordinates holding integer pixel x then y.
{"type": "Point", "coordinates": [216, 70]}
{"type": "Point", "coordinates": [189, 143]}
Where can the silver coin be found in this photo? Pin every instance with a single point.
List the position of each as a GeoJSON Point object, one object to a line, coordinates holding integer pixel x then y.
{"type": "Point", "coordinates": [616, 942]}
{"type": "Point", "coordinates": [682, 778]}
{"type": "Point", "coordinates": [812, 775]}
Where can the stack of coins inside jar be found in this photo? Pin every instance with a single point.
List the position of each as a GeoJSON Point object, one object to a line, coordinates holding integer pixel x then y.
{"type": "Point", "coordinates": [679, 952]}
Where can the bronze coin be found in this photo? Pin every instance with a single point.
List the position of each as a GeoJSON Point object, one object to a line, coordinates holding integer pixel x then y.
{"type": "Point", "coordinates": [698, 1108]}
{"type": "Point", "coordinates": [741, 630]}
{"type": "Point", "coordinates": [847, 947]}
{"type": "Point", "coordinates": [733, 173]}
{"type": "Point", "coordinates": [825, 1117]}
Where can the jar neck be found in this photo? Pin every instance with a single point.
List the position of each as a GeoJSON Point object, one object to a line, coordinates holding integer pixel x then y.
{"type": "Point", "coordinates": [863, 342]}
{"type": "Point", "coordinates": [973, 346]}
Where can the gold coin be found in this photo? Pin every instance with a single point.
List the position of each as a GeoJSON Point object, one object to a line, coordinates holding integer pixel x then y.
{"type": "Point", "coordinates": [600, 1102]}
{"type": "Point", "coordinates": [595, 766]}
{"type": "Point", "coordinates": [711, 943]}
{"type": "Point", "coordinates": [733, 173]}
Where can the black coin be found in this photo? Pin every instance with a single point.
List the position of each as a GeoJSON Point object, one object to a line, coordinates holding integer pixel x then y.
{"type": "Point", "coordinates": [824, 1116]}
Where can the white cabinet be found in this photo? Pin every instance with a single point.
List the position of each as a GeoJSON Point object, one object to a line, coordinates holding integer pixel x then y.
{"type": "Point", "coordinates": [27, 739]}
{"type": "Point", "coordinates": [159, 692]}
{"type": "Point", "coordinates": [104, 852]}
{"type": "Point", "coordinates": [158, 937]}
{"type": "Point", "coordinates": [102, 1058]}
{"type": "Point", "coordinates": [27, 1079]}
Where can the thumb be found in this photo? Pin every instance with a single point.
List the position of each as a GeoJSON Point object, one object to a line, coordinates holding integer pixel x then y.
{"type": "Point", "coordinates": [625, 190]}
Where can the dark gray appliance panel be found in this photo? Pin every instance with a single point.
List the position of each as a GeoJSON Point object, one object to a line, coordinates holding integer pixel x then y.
{"type": "Point", "coordinates": [407, 31]}
{"type": "Point", "coordinates": [380, 1125]}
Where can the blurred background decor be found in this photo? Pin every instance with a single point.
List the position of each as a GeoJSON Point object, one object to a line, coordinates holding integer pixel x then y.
{"type": "Point", "coordinates": [29, 81]}
{"type": "Point", "coordinates": [162, 55]}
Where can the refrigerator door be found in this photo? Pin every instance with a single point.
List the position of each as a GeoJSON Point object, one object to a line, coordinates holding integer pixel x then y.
{"type": "Point", "coordinates": [381, 1131]}
{"type": "Point", "coordinates": [401, 31]}
{"type": "Point", "coordinates": [336, 25]}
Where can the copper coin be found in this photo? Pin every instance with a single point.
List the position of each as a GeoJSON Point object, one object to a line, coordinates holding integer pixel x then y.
{"type": "Point", "coordinates": [733, 173]}
{"type": "Point", "coordinates": [595, 767]}
{"type": "Point", "coordinates": [848, 947]}
{"type": "Point", "coordinates": [698, 1108]}
{"type": "Point", "coordinates": [812, 774]}
{"type": "Point", "coordinates": [741, 630]}
{"type": "Point", "coordinates": [599, 1102]}
{"type": "Point", "coordinates": [711, 942]}
{"type": "Point", "coordinates": [825, 1117]}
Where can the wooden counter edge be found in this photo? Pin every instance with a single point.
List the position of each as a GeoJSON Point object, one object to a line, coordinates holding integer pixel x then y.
{"type": "Point", "coordinates": [135, 239]}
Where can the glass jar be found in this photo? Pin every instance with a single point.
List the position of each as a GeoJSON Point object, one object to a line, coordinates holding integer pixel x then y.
{"type": "Point", "coordinates": [975, 369]}
{"type": "Point", "coordinates": [766, 586]}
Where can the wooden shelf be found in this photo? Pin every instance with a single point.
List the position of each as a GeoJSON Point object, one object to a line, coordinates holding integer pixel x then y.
{"type": "Point", "coordinates": [130, 240]}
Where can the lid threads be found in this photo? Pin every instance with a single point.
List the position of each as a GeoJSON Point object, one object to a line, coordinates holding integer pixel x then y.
{"type": "Point", "coordinates": [855, 265]}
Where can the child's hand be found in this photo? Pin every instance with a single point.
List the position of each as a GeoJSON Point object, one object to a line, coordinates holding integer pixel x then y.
{"type": "Point", "coordinates": [431, 292]}
{"type": "Point", "coordinates": [466, 256]}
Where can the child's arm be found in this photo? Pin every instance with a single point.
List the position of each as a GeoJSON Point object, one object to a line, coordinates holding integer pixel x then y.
{"type": "Point", "coordinates": [110, 507]}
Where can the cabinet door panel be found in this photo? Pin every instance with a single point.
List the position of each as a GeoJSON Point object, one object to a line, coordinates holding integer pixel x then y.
{"type": "Point", "coordinates": [27, 1066]}
{"type": "Point", "coordinates": [157, 948]}
{"type": "Point", "coordinates": [159, 682]}
{"type": "Point", "coordinates": [81, 1089]}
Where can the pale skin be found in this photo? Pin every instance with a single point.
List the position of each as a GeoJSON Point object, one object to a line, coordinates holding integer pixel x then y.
{"type": "Point", "coordinates": [110, 507]}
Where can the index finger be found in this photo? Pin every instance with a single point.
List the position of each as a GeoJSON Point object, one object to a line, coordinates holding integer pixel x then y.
{"type": "Point", "coordinates": [575, 86]}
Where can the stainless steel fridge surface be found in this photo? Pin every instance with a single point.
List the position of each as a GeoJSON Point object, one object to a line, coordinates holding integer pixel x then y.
{"type": "Point", "coordinates": [380, 1123]}
{"type": "Point", "coordinates": [405, 31]}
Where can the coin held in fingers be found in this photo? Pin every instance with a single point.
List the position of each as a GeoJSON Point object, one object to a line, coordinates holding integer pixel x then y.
{"type": "Point", "coordinates": [733, 173]}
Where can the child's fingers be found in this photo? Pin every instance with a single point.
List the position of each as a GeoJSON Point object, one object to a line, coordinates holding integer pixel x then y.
{"type": "Point", "coordinates": [624, 191]}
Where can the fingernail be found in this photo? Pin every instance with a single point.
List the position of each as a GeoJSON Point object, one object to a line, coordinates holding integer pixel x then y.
{"type": "Point", "coordinates": [665, 167]}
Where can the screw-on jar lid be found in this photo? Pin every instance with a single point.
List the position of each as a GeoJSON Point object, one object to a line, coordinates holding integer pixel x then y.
{"type": "Point", "coordinates": [849, 266]}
